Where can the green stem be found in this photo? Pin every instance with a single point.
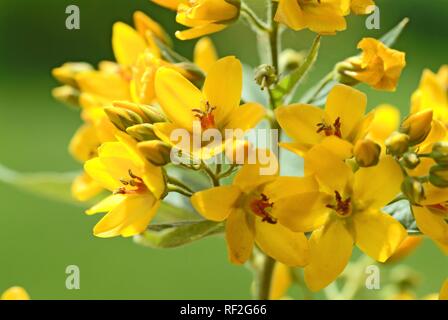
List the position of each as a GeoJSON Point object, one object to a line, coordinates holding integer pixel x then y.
{"type": "Point", "coordinates": [264, 279]}
{"type": "Point", "coordinates": [254, 21]}
{"type": "Point", "coordinates": [178, 183]}
{"type": "Point", "coordinates": [177, 189]}
{"type": "Point", "coordinates": [214, 179]}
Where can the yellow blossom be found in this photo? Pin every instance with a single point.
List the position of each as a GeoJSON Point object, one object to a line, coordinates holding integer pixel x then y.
{"type": "Point", "coordinates": [432, 94]}
{"type": "Point", "coordinates": [378, 65]}
{"type": "Point", "coordinates": [205, 17]}
{"type": "Point", "coordinates": [217, 106]}
{"type": "Point", "coordinates": [136, 184]}
{"type": "Point", "coordinates": [346, 210]}
{"type": "Point", "coordinates": [324, 17]}
{"type": "Point", "coordinates": [362, 6]}
{"type": "Point", "coordinates": [443, 295]}
{"type": "Point", "coordinates": [15, 293]}
{"type": "Point", "coordinates": [246, 207]}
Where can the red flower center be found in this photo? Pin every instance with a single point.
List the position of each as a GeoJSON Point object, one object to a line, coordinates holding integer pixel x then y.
{"type": "Point", "coordinates": [259, 206]}
{"type": "Point", "coordinates": [330, 130]}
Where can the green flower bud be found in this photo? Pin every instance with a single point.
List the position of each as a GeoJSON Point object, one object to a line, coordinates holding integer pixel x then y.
{"type": "Point", "coordinates": [440, 152]}
{"type": "Point", "coordinates": [397, 144]}
{"type": "Point", "coordinates": [417, 126]}
{"type": "Point", "coordinates": [413, 189]}
{"type": "Point", "coordinates": [142, 132]}
{"type": "Point", "coordinates": [156, 152]}
{"type": "Point", "coordinates": [67, 94]}
{"type": "Point", "coordinates": [367, 153]}
{"type": "Point", "coordinates": [67, 73]}
{"type": "Point", "coordinates": [291, 60]}
{"type": "Point", "coordinates": [340, 73]}
{"type": "Point", "coordinates": [438, 176]}
{"type": "Point", "coordinates": [123, 118]}
{"type": "Point", "coordinates": [152, 114]}
{"type": "Point", "coordinates": [265, 76]}
{"type": "Point", "coordinates": [411, 160]}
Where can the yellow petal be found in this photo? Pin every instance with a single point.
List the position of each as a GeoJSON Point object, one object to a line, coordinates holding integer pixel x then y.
{"type": "Point", "coordinates": [133, 209]}
{"type": "Point", "coordinates": [330, 170]}
{"type": "Point", "coordinates": [145, 24]}
{"type": "Point", "coordinates": [140, 225]}
{"type": "Point", "coordinates": [300, 122]}
{"type": "Point", "coordinates": [250, 177]}
{"type": "Point", "coordinates": [84, 143]}
{"type": "Point", "coordinates": [98, 171]}
{"type": "Point", "coordinates": [246, 117]}
{"type": "Point", "coordinates": [107, 204]}
{"type": "Point", "coordinates": [281, 281]}
{"type": "Point", "coordinates": [223, 87]}
{"type": "Point", "coordinates": [199, 31]}
{"type": "Point", "coordinates": [84, 187]}
{"type": "Point", "coordinates": [107, 86]}
{"type": "Point", "coordinates": [205, 55]}
{"type": "Point", "coordinates": [361, 6]}
{"type": "Point", "coordinates": [431, 224]}
{"type": "Point", "coordinates": [15, 293]}
{"type": "Point", "coordinates": [434, 195]}
{"type": "Point", "coordinates": [216, 203]}
{"type": "Point", "coordinates": [282, 244]}
{"type": "Point", "coordinates": [348, 104]}
{"type": "Point", "coordinates": [177, 96]}
{"type": "Point", "coordinates": [443, 295]}
{"type": "Point", "coordinates": [330, 248]}
{"type": "Point", "coordinates": [170, 4]}
{"type": "Point", "coordinates": [283, 187]}
{"type": "Point", "coordinates": [378, 234]}
{"type": "Point", "coordinates": [385, 121]}
{"type": "Point", "coordinates": [239, 236]}
{"type": "Point", "coordinates": [127, 44]}
{"type": "Point", "coordinates": [376, 186]}
{"type": "Point", "coordinates": [290, 13]}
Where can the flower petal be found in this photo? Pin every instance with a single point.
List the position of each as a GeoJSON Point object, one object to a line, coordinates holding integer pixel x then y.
{"type": "Point", "coordinates": [431, 224]}
{"type": "Point", "coordinates": [216, 203]}
{"type": "Point", "coordinates": [199, 31]}
{"type": "Point", "coordinates": [246, 117]}
{"type": "Point", "coordinates": [205, 55]}
{"type": "Point", "coordinates": [107, 204]}
{"type": "Point", "coordinates": [127, 44]}
{"type": "Point", "coordinates": [239, 236]}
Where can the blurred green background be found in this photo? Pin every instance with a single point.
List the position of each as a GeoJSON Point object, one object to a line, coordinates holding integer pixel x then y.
{"type": "Point", "coordinates": [39, 237]}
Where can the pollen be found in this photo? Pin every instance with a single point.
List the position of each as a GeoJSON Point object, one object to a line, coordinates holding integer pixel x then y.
{"type": "Point", "coordinates": [342, 207]}
{"type": "Point", "coordinates": [206, 116]}
{"type": "Point", "coordinates": [131, 185]}
{"type": "Point", "coordinates": [260, 207]}
{"type": "Point", "coordinates": [330, 129]}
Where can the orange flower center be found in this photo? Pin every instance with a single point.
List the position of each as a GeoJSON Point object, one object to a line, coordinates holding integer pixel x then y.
{"type": "Point", "coordinates": [342, 207]}
{"type": "Point", "coordinates": [134, 185]}
{"type": "Point", "coordinates": [330, 129]}
{"type": "Point", "coordinates": [206, 116]}
{"type": "Point", "coordinates": [260, 207]}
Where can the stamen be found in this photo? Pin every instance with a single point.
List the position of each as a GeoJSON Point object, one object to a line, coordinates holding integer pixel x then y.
{"type": "Point", "coordinates": [259, 206]}
{"type": "Point", "coordinates": [206, 117]}
{"type": "Point", "coordinates": [342, 207]}
{"type": "Point", "coordinates": [330, 130]}
{"type": "Point", "coordinates": [135, 182]}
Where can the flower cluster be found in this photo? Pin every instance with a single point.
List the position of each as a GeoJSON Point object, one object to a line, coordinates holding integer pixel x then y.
{"type": "Point", "coordinates": [359, 162]}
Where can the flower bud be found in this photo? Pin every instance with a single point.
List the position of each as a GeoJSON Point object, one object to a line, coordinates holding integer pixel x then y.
{"type": "Point", "coordinates": [156, 152]}
{"type": "Point", "coordinates": [367, 153]}
{"type": "Point", "coordinates": [123, 118]}
{"type": "Point", "coordinates": [67, 73]}
{"type": "Point", "coordinates": [413, 189]}
{"type": "Point", "coordinates": [291, 60]}
{"type": "Point", "coordinates": [417, 126]}
{"type": "Point", "coordinates": [265, 76]}
{"type": "Point", "coordinates": [411, 160]}
{"type": "Point", "coordinates": [440, 152]}
{"type": "Point", "coordinates": [67, 95]}
{"type": "Point", "coordinates": [397, 144]}
{"type": "Point", "coordinates": [341, 71]}
{"type": "Point", "coordinates": [152, 114]}
{"type": "Point", "coordinates": [142, 132]}
{"type": "Point", "coordinates": [438, 176]}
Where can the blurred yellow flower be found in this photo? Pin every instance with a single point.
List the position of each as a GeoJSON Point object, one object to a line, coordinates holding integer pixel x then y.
{"type": "Point", "coordinates": [432, 94]}
{"type": "Point", "coordinates": [281, 281]}
{"type": "Point", "coordinates": [205, 17]}
{"type": "Point", "coordinates": [362, 6]}
{"type": "Point", "coordinates": [136, 184]}
{"type": "Point", "coordinates": [443, 295]}
{"type": "Point", "coordinates": [205, 55]}
{"type": "Point", "coordinates": [344, 211]}
{"type": "Point", "coordinates": [378, 65]}
{"type": "Point", "coordinates": [246, 207]}
{"type": "Point", "coordinates": [15, 293]}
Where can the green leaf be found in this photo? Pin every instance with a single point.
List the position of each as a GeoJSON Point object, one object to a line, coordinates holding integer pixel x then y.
{"type": "Point", "coordinates": [401, 211]}
{"type": "Point", "coordinates": [178, 234]}
{"type": "Point", "coordinates": [391, 37]}
{"type": "Point", "coordinates": [286, 87]}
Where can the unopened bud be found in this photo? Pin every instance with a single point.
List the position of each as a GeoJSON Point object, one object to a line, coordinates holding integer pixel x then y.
{"type": "Point", "coordinates": [340, 72]}
{"type": "Point", "coordinates": [367, 153]}
{"type": "Point", "coordinates": [265, 76]}
{"type": "Point", "coordinates": [440, 152]}
{"type": "Point", "coordinates": [397, 144]}
{"type": "Point", "coordinates": [411, 160]}
{"type": "Point", "coordinates": [413, 189]}
{"type": "Point", "coordinates": [67, 73]}
{"type": "Point", "coordinates": [142, 132]}
{"type": "Point", "coordinates": [67, 94]}
{"type": "Point", "coordinates": [438, 176]}
{"type": "Point", "coordinates": [417, 126]}
{"type": "Point", "coordinates": [153, 114]}
{"type": "Point", "coordinates": [291, 60]}
{"type": "Point", "coordinates": [123, 118]}
{"type": "Point", "coordinates": [156, 152]}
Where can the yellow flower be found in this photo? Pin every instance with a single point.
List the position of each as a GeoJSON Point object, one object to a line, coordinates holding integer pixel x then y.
{"type": "Point", "coordinates": [346, 210]}
{"type": "Point", "coordinates": [324, 17]}
{"type": "Point", "coordinates": [432, 94]}
{"type": "Point", "coordinates": [339, 126]}
{"type": "Point", "coordinates": [137, 187]}
{"type": "Point", "coordinates": [378, 65]}
{"type": "Point", "coordinates": [246, 207]}
{"type": "Point", "coordinates": [362, 6]}
{"type": "Point", "coordinates": [217, 106]}
{"type": "Point", "coordinates": [15, 293]}
{"type": "Point", "coordinates": [443, 295]}
{"type": "Point", "coordinates": [205, 17]}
